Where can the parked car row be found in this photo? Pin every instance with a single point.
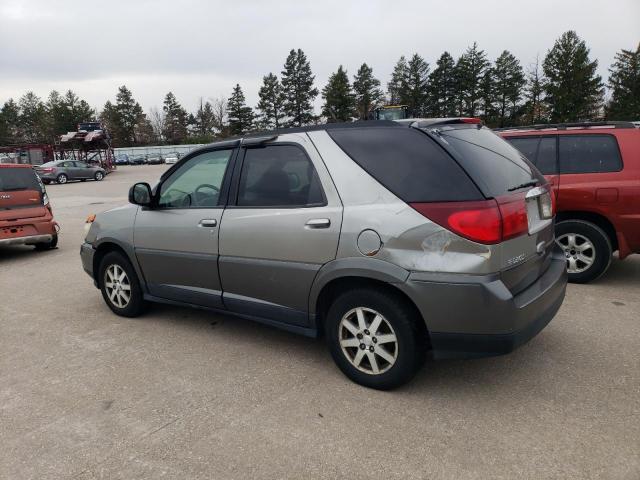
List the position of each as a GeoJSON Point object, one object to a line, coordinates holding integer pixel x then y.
{"type": "Point", "coordinates": [147, 159]}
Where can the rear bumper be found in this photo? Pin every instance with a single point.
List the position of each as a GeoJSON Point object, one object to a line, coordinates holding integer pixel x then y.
{"type": "Point", "coordinates": [477, 316]}
{"type": "Point", "coordinates": [29, 240]}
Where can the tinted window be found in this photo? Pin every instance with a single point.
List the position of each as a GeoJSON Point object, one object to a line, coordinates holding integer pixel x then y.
{"type": "Point", "coordinates": [197, 183]}
{"type": "Point", "coordinates": [14, 179]}
{"type": "Point", "coordinates": [541, 151]}
{"type": "Point", "coordinates": [278, 175]}
{"type": "Point", "coordinates": [407, 162]}
{"type": "Point", "coordinates": [589, 154]}
{"type": "Point", "coordinates": [494, 164]}
{"type": "Point", "coordinates": [527, 146]}
{"type": "Point", "coordinates": [547, 160]}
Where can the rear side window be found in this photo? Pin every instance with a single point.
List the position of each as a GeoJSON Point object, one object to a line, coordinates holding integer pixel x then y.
{"type": "Point", "coordinates": [541, 151]}
{"type": "Point", "coordinates": [14, 179]}
{"type": "Point", "coordinates": [279, 176]}
{"type": "Point", "coordinates": [495, 165]}
{"type": "Point", "coordinates": [589, 154]}
{"type": "Point", "coordinates": [408, 163]}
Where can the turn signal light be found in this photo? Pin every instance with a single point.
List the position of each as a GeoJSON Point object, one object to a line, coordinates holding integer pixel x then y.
{"type": "Point", "coordinates": [91, 218]}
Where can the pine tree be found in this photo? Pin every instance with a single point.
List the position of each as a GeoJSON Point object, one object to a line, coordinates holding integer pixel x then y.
{"type": "Point", "coordinates": [271, 103]}
{"type": "Point", "coordinates": [509, 83]}
{"type": "Point", "coordinates": [122, 117]}
{"type": "Point", "coordinates": [9, 115]}
{"type": "Point", "coordinates": [397, 86]}
{"type": "Point", "coordinates": [65, 112]}
{"type": "Point", "coordinates": [204, 120]}
{"type": "Point", "coordinates": [339, 104]}
{"type": "Point", "coordinates": [471, 68]}
{"type": "Point", "coordinates": [240, 115]}
{"type": "Point", "coordinates": [32, 120]}
{"type": "Point", "coordinates": [488, 98]}
{"type": "Point", "coordinates": [175, 120]}
{"type": "Point", "coordinates": [574, 90]}
{"type": "Point", "coordinates": [367, 92]}
{"type": "Point", "coordinates": [624, 83]}
{"type": "Point", "coordinates": [441, 91]}
{"type": "Point", "coordinates": [417, 82]}
{"type": "Point", "coordinates": [297, 85]}
{"type": "Point", "coordinates": [534, 107]}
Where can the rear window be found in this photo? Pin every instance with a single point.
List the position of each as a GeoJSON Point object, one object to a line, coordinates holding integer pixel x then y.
{"type": "Point", "coordinates": [495, 165]}
{"type": "Point", "coordinates": [408, 163]}
{"type": "Point", "coordinates": [589, 154]}
{"type": "Point", "coordinates": [14, 179]}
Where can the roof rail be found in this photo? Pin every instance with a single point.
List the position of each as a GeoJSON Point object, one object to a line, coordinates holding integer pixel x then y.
{"type": "Point", "coordinates": [564, 126]}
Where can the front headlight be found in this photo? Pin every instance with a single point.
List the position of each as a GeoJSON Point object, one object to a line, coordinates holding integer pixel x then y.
{"type": "Point", "coordinates": [87, 224]}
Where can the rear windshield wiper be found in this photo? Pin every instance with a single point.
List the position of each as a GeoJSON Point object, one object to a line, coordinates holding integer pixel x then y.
{"type": "Point", "coordinates": [532, 183]}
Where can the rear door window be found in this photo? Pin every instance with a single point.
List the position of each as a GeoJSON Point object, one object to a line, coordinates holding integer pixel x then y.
{"type": "Point", "coordinates": [15, 179]}
{"type": "Point", "coordinates": [408, 163]}
{"type": "Point", "coordinates": [279, 176]}
{"type": "Point", "coordinates": [589, 154]}
{"type": "Point", "coordinates": [496, 166]}
{"type": "Point", "coordinates": [541, 151]}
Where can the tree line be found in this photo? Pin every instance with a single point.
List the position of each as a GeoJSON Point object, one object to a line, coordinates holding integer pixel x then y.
{"type": "Point", "coordinates": [563, 87]}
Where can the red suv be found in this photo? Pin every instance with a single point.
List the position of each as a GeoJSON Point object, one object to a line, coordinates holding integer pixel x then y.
{"type": "Point", "coordinates": [25, 214]}
{"type": "Point", "coordinates": [594, 170]}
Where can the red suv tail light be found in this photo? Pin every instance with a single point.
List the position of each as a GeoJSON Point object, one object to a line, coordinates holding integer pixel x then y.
{"type": "Point", "coordinates": [487, 221]}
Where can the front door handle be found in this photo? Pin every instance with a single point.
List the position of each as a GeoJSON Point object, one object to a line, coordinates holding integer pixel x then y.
{"type": "Point", "coordinates": [318, 223]}
{"type": "Point", "coordinates": [208, 222]}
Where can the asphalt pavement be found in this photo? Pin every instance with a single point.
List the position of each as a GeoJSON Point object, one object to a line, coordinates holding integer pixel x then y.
{"type": "Point", "coordinates": [188, 394]}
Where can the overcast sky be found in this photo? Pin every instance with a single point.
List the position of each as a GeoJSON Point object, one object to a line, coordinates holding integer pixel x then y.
{"type": "Point", "coordinates": [199, 48]}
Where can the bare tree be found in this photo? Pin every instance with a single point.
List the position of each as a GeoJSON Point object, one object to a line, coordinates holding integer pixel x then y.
{"type": "Point", "coordinates": [157, 117]}
{"type": "Point", "coordinates": [220, 116]}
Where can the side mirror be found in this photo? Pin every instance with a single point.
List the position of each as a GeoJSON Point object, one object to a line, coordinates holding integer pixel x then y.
{"type": "Point", "coordinates": [140, 194]}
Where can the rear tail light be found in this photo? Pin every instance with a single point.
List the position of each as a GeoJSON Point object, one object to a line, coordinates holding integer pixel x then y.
{"type": "Point", "coordinates": [47, 170]}
{"type": "Point", "coordinates": [487, 221]}
{"type": "Point", "coordinates": [476, 121]}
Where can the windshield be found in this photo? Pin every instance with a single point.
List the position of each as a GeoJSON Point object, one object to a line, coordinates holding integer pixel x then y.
{"type": "Point", "coordinates": [495, 166]}
{"type": "Point", "coordinates": [14, 179]}
{"type": "Point", "coordinates": [391, 113]}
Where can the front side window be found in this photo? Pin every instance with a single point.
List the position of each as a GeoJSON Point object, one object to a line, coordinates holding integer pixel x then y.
{"type": "Point", "coordinates": [279, 176]}
{"type": "Point", "coordinates": [589, 154]}
{"type": "Point", "coordinates": [197, 183]}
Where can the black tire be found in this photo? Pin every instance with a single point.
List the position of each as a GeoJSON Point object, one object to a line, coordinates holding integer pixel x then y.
{"type": "Point", "coordinates": [62, 178]}
{"type": "Point", "coordinates": [48, 245]}
{"type": "Point", "coordinates": [601, 249]}
{"type": "Point", "coordinates": [83, 179]}
{"type": "Point", "coordinates": [46, 182]}
{"type": "Point", "coordinates": [411, 342]}
{"type": "Point", "coordinates": [98, 177]}
{"type": "Point", "coordinates": [136, 304]}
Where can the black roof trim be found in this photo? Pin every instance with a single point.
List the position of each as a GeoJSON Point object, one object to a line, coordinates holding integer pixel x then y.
{"type": "Point", "coordinates": [564, 126]}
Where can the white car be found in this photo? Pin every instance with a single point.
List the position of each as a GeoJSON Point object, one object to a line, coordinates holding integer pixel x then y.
{"type": "Point", "coordinates": [171, 158]}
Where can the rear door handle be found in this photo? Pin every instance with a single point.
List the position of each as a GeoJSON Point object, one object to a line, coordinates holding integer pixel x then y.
{"type": "Point", "coordinates": [208, 222]}
{"type": "Point", "coordinates": [318, 223]}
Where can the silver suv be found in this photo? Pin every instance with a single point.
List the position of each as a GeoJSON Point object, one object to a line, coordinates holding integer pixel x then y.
{"type": "Point", "coordinates": [393, 240]}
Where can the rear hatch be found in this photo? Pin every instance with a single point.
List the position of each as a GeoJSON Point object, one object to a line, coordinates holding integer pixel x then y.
{"type": "Point", "coordinates": [519, 191]}
{"type": "Point", "coordinates": [21, 194]}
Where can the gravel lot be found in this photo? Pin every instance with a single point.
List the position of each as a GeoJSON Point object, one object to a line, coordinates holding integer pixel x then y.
{"type": "Point", "coordinates": [183, 394]}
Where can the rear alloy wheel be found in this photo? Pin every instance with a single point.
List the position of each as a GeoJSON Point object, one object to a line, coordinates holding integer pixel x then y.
{"type": "Point", "coordinates": [98, 176]}
{"type": "Point", "coordinates": [62, 178]}
{"type": "Point", "coordinates": [120, 286]}
{"type": "Point", "coordinates": [374, 337]}
{"type": "Point", "coordinates": [586, 247]}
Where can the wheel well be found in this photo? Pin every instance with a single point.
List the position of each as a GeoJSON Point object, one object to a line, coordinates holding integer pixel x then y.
{"type": "Point", "coordinates": [595, 218]}
{"type": "Point", "coordinates": [340, 285]}
{"type": "Point", "coordinates": [101, 251]}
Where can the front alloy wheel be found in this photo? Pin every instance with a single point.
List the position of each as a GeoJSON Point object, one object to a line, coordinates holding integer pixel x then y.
{"type": "Point", "coordinates": [368, 340]}
{"type": "Point", "coordinates": [117, 286]}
